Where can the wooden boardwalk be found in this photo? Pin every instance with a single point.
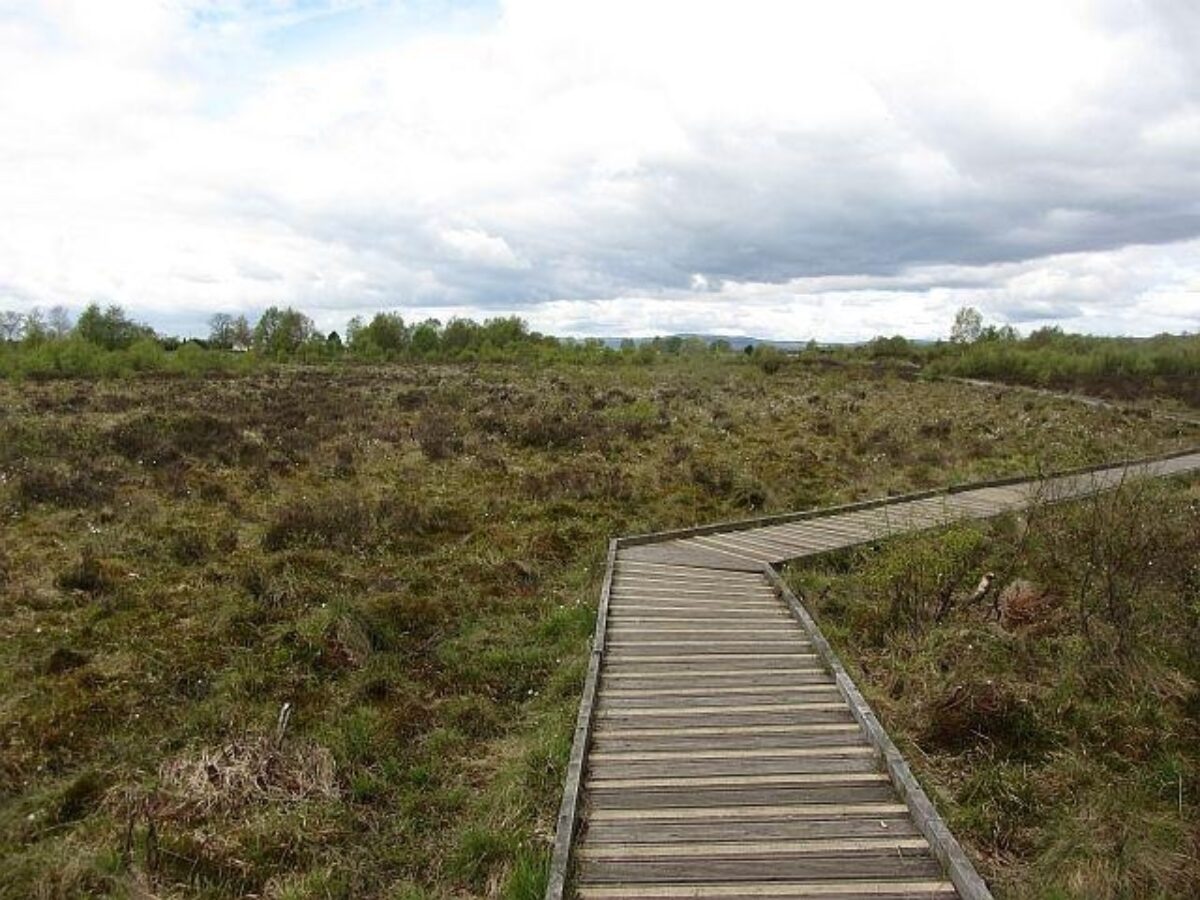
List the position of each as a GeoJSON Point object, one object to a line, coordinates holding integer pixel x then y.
{"type": "Point", "coordinates": [721, 749]}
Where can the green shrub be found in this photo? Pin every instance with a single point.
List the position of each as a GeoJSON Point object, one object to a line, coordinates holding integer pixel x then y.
{"type": "Point", "coordinates": [917, 581]}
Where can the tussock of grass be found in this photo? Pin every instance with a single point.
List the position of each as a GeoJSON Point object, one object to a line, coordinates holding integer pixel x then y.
{"type": "Point", "coordinates": [255, 770]}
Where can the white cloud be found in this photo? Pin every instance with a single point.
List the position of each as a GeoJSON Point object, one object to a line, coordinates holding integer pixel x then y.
{"type": "Point", "coordinates": [474, 245]}
{"type": "Point", "coordinates": [793, 169]}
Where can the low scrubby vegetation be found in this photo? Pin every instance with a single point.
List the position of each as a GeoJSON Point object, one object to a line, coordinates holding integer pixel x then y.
{"type": "Point", "coordinates": [408, 557]}
{"type": "Point", "coordinates": [1118, 368]}
{"type": "Point", "coordinates": [1053, 711]}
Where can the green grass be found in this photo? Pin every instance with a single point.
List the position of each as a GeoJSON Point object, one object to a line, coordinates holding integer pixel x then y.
{"type": "Point", "coordinates": [410, 557]}
{"type": "Point", "coordinates": [1056, 720]}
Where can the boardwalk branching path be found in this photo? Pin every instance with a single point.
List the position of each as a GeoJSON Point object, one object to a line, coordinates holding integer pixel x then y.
{"type": "Point", "coordinates": [722, 751]}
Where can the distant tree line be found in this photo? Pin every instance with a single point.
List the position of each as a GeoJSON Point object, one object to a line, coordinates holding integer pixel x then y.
{"type": "Point", "coordinates": [107, 341]}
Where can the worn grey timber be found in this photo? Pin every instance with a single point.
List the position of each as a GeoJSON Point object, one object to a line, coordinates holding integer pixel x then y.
{"type": "Point", "coordinates": [721, 749]}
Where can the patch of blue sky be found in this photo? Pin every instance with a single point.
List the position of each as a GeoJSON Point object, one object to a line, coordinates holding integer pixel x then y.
{"type": "Point", "coordinates": [278, 33]}
{"type": "Point", "coordinates": [375, 25]}
{"type": "Point", "coordinates": [312, 29]}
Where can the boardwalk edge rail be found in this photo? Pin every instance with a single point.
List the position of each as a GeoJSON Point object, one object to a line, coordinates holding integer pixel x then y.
{"type": "Point", "coordinates": [951, 855]}
{"type": "Point", "coordinates": [948, 851]}
{"type": "Point", "coordinates": [658, 537]}
{"type": "Point", "coordinates": [568, 811]}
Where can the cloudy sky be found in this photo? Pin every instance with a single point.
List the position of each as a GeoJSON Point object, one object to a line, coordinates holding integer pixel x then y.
{"type": "Point", "coordinates": [786, 169]}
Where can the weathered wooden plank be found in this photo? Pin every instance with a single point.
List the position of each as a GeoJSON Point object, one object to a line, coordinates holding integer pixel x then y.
{"type": "Point", "coordinates": [740, 591]}
{"type": "Point", "coordinates": [972, 501]}
{"type": "Point", "coordinates": [1002, 497]}
{"type": "Point", "coordinates": [647, 605]}
{"type": "Point", "coordinates": [777, 689]}
{"type": "Point", "coordinates": [715, 730]}
{"type": "Point", "coordinates": [664, 798]}
{"type": "Point", "coordinates": [814, 890]}
{"type": "Point", "coordinates": [760, 697]}
{"type": "Point", "coordinates": [644, 781]}
{"type": "Point", "coordinates": [671, 689]}
{"type": "Point", "coordinates": [674, 554]}
{"type": "Point", "coordinates": [803, 668]}
{"type": "Point", "coordinates": [675, 583]}
{"type": "Point", "coordinates": [913, 519]}
{"type": "Point", "coordinates": [730, 717]}
{"type": "Point", "coordinates": [661, 654]}
{"type": "Point", "coordinates": [678, 711]}
{"type": "Point", "coordinates": [634, 605]}
{"type": "Point", "coordinates": [814, 539]}
{"type": "Point", "coordinates": [811, 672]}
{"type": "Point", "coordinates": [731, 546]}
{"type": "Point", "coordinates": [852, 533]}
{"type": "Point", "coordinates": [691, 630]}
{"type": "Point", "coordinates": [699, 619]}
{"type": "Point", "coordinates": [861, 526]}
{"type": "Point", "coordinates": [758, 848]}
{"type": "Point", "coordinates": [693, 634]}
{"type": "Point", "coordinates": [720, 768]}
{"type": "Point", "coordinates": [688, 584]}
{"type": "Point", "coordinates": [631, 602]}
{"type": "Point", "coordinates": [865, 520]}
{"type": "Point", "coordinates": [879, 863]}
{"type": "Point", "coordinates": [628, 567]}
{"type": "Point", "coordinates": [701, 629]}
{"type": "Point", "coordinates": [753, 540]}
{"type": "Point", "coordinates": [845, 750]}
{"type": "Point", "coordinates": [763, 542]}
{"type": "Point", "coordinates": [662, 607]}
{"type": "Point", "coordinates": [602, 743]}
{"type": "Point", "coordinates": [758, 593]}
{"type": "Point", "coordinates": [895, 825]}
{"type": "Point", "coordinates": [619, 694]}
{"type": "Point", "coordinates": [626, 615]}
{"type": "Point", "coordinates": [686, 644]}
{"type": "Point", "coordinates": [755, 813]}
{"type": "Point", "coordinates": [803, 539]}
{"type": "Point", "coordinates": [695, 589]}
{"type": "Point", "coordinates": [631, 568]}
{"type": "Point", "coordinates": [622, 658]}
{"type": "Point", "coordinates": [623, 707]}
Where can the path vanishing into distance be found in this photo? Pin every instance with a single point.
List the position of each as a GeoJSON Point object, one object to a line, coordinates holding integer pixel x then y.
{"type": "Point", "coordinates": [722, 751]}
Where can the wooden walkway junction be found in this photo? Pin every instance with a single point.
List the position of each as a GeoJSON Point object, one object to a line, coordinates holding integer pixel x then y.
{"type": "Point", "coordinates": [721, 750]}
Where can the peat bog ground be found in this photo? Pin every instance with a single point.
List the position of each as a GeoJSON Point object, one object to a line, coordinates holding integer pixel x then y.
{"type": "Point", "coordinates": [408, 557]}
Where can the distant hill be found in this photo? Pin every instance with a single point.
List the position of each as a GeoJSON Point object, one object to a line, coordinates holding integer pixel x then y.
{"type": "Point", "coordinates": [736, 341]}
{"type": "Point", "coordinates": [742, 341]}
